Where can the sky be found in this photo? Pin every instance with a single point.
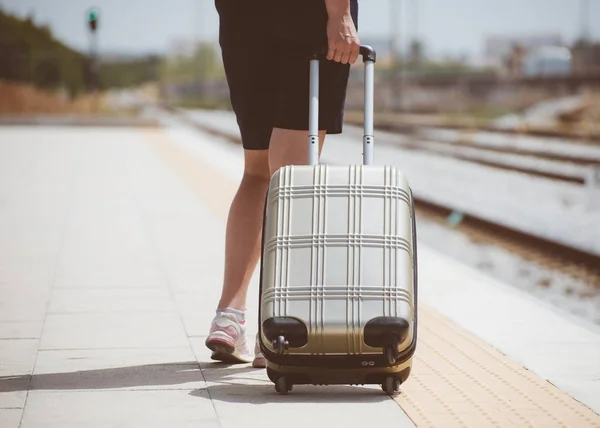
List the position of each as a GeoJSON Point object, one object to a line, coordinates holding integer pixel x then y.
{"type": "Point", "coordinates": [447, 27]}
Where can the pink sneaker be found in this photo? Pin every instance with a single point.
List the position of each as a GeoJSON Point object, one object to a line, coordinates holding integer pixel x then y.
{"type": "Point", "coordinates": [227, 339]}
{"type": "Point", "coordinates": [259, 359]}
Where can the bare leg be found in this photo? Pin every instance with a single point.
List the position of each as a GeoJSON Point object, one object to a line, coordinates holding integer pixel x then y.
{"type": "Point", "coordinates": [290, 147]}
{"type": "Point", "coordinates": [244, 225]}
{"type": "Point", "coordinates": [244, 230]}
{"type": "Point", "coordinates": [243, 238]}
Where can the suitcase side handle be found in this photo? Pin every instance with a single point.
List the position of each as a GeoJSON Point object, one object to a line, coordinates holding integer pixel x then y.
{"type": "Point", "coordinates": [369, 57]}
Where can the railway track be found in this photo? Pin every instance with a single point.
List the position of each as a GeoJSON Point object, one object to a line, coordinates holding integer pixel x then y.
{"type": "Point", "coordinates": [457, 150]}
{"type": "Point", "coordinates": [579, 264]}
{"type": "Point", "coordinates": [465, 151]}
{"type": "Point", "coordinates": [386, 122]}
{"type": "Point", "coordinates": [578, 160]}
{"type": "Point", "coordinates": [569, 178]}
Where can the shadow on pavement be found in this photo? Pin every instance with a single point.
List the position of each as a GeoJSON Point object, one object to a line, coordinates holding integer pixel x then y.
{"type": "Point", "coordinates": [121, 377]}
{"type": "Point", "coordinates": [233, 392]}
{"type": "Point", "coordinates": [229, 383]}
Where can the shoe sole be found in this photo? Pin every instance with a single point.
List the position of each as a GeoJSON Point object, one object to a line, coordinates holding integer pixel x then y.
{"type": "Point", "coordinates": [224, 351]}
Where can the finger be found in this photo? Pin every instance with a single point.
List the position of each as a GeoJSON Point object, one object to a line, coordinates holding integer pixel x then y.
{"type": "Point", "coordinates": [354, 55]}
{"type": "Point", "coordinates": [357, 50]}
{"type": "Point", "coordinates": [337, 57]}
{"type": "Point", "coordinates": [331, 51]}
{"type": "Point", "coordinates": [345, 56]}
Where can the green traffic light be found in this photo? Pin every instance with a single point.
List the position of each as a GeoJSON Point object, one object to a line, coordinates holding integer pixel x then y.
{"type": "Point", "coordinates": [93, 15]}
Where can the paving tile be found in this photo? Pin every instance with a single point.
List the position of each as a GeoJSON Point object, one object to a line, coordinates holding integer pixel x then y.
{"type": "Point", "coordinates": [33, 310]}
{"type": "Point", "coordinates": [23, 301]}
{"type": "Point", "coordinates": [196, 312]}
{"type": "Point", "coordinates": [39, 241]}
{"type": "Point", "coordinates": [17, 356]}
{"type": "Point", "coordinates": [142, 409]}
{"type": "Point", "coordinates": [197, 309]}
{"type": "Point", "coordinates": [117, 369]}
{"type": "Point", "coordinates": [20, 274]}
{"type": "Point", "coordinates": [200, 350]}
{"type": "Point", "coordinates": [202, 277]}
{"type": "Point", "coordinates": [112, 275]}
{"type": "Point", "coordinates": [10, 418]}
{"type": "Point", "coordinates": [584, 390]}
{"type": "Point", "coordinates": [127, 300]}
{"type": "Point", "coordinates": [569, 360]}
{"type": "Point", "coordinates": [13, 392]}
{"type": "Point", "coordinates": [305, 406]}
{"type": "Point", "coordinates": [106, 245]}
{"type": "Point", "coordinates": [21, 329]}
{"type": "Point", "coordinates": [113, 330]}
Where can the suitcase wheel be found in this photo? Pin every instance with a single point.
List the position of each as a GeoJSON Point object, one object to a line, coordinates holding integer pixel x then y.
{"type": "Point", "coordinates": [390, 385]}
{"type": "Point", "coordinates": [282, 385]}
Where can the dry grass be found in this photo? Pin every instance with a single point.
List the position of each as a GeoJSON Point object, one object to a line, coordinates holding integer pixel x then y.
{"type": "Point", "coordinates": [584, 120]}
{"type": "Point", "coordinates": [23, 99]}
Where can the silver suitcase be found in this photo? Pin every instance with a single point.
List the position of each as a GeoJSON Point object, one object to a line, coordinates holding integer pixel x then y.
{"type": "Point", "coordinates": [338, 274]}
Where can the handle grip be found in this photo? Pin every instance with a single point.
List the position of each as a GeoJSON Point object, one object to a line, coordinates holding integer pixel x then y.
{"type": "Point", "coordinates": [367, 53]}
{"type": "Point", "coordinates": [369, 57]}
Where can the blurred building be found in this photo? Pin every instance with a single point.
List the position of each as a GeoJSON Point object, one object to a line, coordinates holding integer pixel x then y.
{"type": "Point", "coordinates": [546, 61]}
{"type": "Point", "coordinates": [501, 51]}
{"type": "Point", "coordinates": [586, 58]}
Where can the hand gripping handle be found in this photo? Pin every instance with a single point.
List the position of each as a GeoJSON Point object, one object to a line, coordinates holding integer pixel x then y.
{"type": "Point", "coordinates": [369, 57]}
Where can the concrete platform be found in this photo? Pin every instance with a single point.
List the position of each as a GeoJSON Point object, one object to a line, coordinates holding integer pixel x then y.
{"type": "Point", "coordinates": [111, 255]}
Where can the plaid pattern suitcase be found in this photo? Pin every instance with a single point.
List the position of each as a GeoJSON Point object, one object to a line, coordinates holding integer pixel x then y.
{"type": "Point", "coordinates": [338, 275]}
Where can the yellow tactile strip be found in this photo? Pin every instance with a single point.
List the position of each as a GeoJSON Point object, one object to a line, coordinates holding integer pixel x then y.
{"type": "Point", "coordinates": [457, 379]}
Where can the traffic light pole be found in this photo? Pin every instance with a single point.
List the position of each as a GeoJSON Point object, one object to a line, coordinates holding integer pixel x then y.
{"type": "Point", "coordinates": [92, 20]}
{"type": "Point", "coordinates": [94, 60]}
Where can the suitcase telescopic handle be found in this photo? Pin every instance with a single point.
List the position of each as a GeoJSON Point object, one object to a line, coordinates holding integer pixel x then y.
{"type": "Point", "coordinates": [369, 57]}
